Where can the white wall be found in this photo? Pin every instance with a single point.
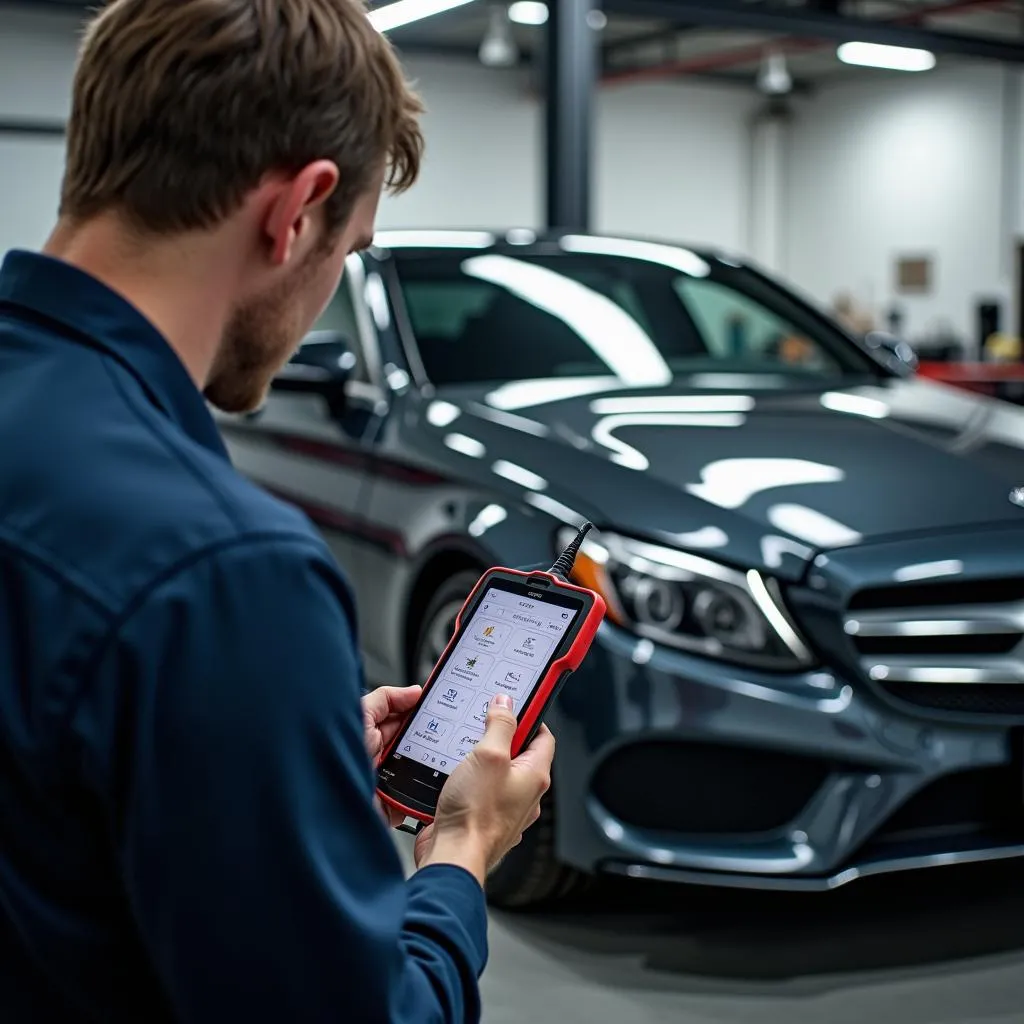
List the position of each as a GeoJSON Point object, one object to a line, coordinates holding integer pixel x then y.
{"type": "Point", "coordinates": [37, 55]}
{"type": "Point", "coordinates": [671, 160]}
{"type": "Point", "coordinates": [888, 166]}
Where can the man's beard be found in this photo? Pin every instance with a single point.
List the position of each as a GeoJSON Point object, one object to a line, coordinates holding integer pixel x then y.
{"type": "Point", "coordinates": [260, 338]}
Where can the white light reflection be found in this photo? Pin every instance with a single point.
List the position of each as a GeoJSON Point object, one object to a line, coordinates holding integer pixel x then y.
{"type": "Point", "coordinates": [434, 239]}
{"type": "Point", "coordinates": [731, 483]}
{"type": "Point", "coordinates": [611, 333]}
{"type": "Point", "coordinates": [650, 252]}
{"type": "Point", "coordinates": [855, 405]}
{"type": "Point", "coordinates": [812, 526]}
{"type": "Point", "coordinates": [466, 445]}
{"type": "Point", "coordinates": [555, 509]}
{"type": "Point", "coordinates": [630, 457]}
{"type": "Point", "coordinates": [508, 419]}
{"type": "Point", "coordinates": [705, 537]}
{"type": "Point", "coordinates": [522, 394]}
{"type": "Point", "coordinates": [521, 236]}
{"type": "Point", "coordinates": [736, 381]}
{"type": "Point", "coordinates": [520, 475]}
{"type": "Point", "coordinates": [672, 403]}
{"type": "Point", "coordinates": [377, 300]}
{"type": "Point", "coordinates": [774, 549]}
{"type": "Point", "coordinates": [492, 515]}
{"type": "Point", "coordinates": [442, 414]}
{"type": "Point", "coordinates": [929, 570]}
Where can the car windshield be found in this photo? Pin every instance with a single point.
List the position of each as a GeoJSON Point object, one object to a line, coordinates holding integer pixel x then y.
{"type": "Point", "coordinates": [489, 317]}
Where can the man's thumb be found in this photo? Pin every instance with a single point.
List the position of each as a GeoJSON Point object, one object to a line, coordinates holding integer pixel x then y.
{"type": "Point", "coordinates": [501, 723]}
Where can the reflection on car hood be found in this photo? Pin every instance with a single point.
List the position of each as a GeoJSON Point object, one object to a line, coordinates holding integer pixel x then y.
{"type": "Point", "coordinates": [765, 475]}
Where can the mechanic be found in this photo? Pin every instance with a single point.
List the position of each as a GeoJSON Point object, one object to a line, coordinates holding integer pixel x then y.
{"type": "Point", "coordinates": [188, 828]}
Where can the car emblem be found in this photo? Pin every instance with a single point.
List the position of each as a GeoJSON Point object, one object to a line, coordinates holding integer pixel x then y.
{"type": "Point", "coordinates": [1017, 496]}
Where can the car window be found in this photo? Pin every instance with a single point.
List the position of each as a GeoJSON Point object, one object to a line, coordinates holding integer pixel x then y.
{"type": "Point", "coordinates": [340, 315]}
{"type": "Point", "coordinates": [734, 326]}
{"type": "Point", "coordinates": [490, 317]}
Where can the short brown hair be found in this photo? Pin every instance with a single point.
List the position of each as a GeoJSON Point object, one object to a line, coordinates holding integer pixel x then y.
{"type": "Point", "coordinates": [181, 107]}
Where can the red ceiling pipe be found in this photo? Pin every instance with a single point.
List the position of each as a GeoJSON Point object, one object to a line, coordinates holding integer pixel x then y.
{"type": "Point", "coordinates": [792, 45]}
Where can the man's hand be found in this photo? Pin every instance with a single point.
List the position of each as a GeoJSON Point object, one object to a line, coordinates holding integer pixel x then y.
{"type": "Point", "coordinates": [490, 799]}
{"type": "Point", "coordinates": [384, 711]}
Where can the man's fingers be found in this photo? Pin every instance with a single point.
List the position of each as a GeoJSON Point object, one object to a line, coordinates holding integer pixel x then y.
{"type": "Point", "coordinates": [501, 725]}
{"type": "Point", "coordinates": [540, 753]}
{"type": "Point", "coordinates": [390, 700]}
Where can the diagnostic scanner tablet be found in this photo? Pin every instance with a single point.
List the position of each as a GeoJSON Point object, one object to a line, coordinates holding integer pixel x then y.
{"type": "Point", "coordinates": [519, 633]}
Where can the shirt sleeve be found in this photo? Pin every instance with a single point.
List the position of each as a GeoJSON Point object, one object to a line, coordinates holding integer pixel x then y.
{"type": "Point", "coordinates": [226, 735]}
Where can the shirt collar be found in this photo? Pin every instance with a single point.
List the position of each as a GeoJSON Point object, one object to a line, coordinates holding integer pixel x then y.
{"type": "Point", "coordinates": [91, 313]}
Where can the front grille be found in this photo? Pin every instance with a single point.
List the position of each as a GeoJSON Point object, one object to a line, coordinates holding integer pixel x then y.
{"type": "Point", "coordinates": [706, 788]}
{"type": "Point", "coordinates": [955, 647]}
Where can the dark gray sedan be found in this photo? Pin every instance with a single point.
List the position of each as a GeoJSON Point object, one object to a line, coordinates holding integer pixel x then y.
{"type": "Point", "coordinates": [812, 668]}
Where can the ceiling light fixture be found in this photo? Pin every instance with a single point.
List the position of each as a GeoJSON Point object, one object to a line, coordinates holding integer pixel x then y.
{"type": "Point", "coordinates": [404, 12]}
{"type": "Point", "coordinates": [892, 58]}
{"type": "Point", "coordinates": [528, 12]}
{"type": "Point", "coordinates": [774, 78]}
{"type": "Point", "coordinates": [498, 49]}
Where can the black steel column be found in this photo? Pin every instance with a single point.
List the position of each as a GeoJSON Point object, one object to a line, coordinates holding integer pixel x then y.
{"type": "Point", "coordinates": [571, 56]}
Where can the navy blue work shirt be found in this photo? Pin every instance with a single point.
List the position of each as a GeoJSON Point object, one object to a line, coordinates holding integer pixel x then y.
{"type": "Point", "coordinates": [187, 826]}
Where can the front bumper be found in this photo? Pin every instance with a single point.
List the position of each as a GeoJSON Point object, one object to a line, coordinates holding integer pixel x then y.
{"type": "Point", "coordinates": [870, 767]}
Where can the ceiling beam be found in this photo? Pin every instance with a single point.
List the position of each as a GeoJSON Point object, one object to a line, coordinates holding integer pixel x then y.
{"type": "Point", "coordinates": [818, 24]}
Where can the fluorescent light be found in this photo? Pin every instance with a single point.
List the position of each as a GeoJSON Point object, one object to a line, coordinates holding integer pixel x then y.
{"type": "Point", "coordinates": [528, 12]}
{"type": "Point", "coordinates": [894, 58]}
{"type": "Point", "coordinates": [403, 12]}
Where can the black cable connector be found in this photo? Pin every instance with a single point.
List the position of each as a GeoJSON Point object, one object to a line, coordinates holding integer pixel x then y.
{"type": "Point", "coordinates": [562, 569]}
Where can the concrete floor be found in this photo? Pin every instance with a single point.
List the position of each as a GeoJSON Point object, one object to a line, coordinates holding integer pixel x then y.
{"type": "Point", "coordinates": [942, 947]}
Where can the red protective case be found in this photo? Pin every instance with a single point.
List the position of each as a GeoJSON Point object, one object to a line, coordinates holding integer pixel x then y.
{"type": "Point", "coordinates": [546, 689]}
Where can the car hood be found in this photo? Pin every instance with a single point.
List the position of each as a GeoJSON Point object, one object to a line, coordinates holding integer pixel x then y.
{"type": "Point", "coordinates": [764, 473]}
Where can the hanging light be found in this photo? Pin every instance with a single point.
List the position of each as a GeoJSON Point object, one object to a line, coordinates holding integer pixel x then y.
{"type": "Point", "coordinates": [774, 78]}
{"type": "Point", "coordinates": [498, 49]}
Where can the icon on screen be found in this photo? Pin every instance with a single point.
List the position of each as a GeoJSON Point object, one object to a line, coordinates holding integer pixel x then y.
{"type": "Point", "coordinates": [489, 631]}
{"type": "Point", "coordinates": [565, 615]}
{"type": "Point", "coordinates": [471, 662]}
{"type": "Point", "coordinates": [528, 643]}
{"type": "Point", "coordinates": [513, 677]}
{"type": "Point", "coordinates": [451, 693]}
{"type": "Point", "coordinates": [433, 725]}
{"type": "Point", "coordinates": [443, 764]}
{"type": "Point", "coordinates": [487, 704]}
{"type": "Point", "coordinates": [407, 748]}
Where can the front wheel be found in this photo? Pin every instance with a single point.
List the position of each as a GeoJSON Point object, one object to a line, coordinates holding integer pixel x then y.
{"type": "Point", "coordinates": [531, 874]}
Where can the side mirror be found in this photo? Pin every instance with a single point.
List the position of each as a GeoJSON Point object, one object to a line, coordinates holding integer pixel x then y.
{"type": "Point", "coordinates": [323, 366]}
{"type": "Point", "coordinates": [893, 353]}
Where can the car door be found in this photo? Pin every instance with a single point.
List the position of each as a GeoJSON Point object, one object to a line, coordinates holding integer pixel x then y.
{"type": "Point", "coordinates": [316, 459]}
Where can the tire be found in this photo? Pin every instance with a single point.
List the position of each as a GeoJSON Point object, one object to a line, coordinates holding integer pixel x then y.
{"type": "Point", "coordinates": [530, 875]}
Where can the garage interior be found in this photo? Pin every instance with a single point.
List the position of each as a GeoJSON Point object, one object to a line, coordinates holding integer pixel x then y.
{"type": "Point", "coordinates": [886, 189]}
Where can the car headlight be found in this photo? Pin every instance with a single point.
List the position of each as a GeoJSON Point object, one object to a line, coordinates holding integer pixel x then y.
{"type": "Point", "coordinates": [685, 601]}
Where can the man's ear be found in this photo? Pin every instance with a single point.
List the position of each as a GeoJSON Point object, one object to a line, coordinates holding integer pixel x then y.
{"type": "Point", "coordinates": [290, 218]}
